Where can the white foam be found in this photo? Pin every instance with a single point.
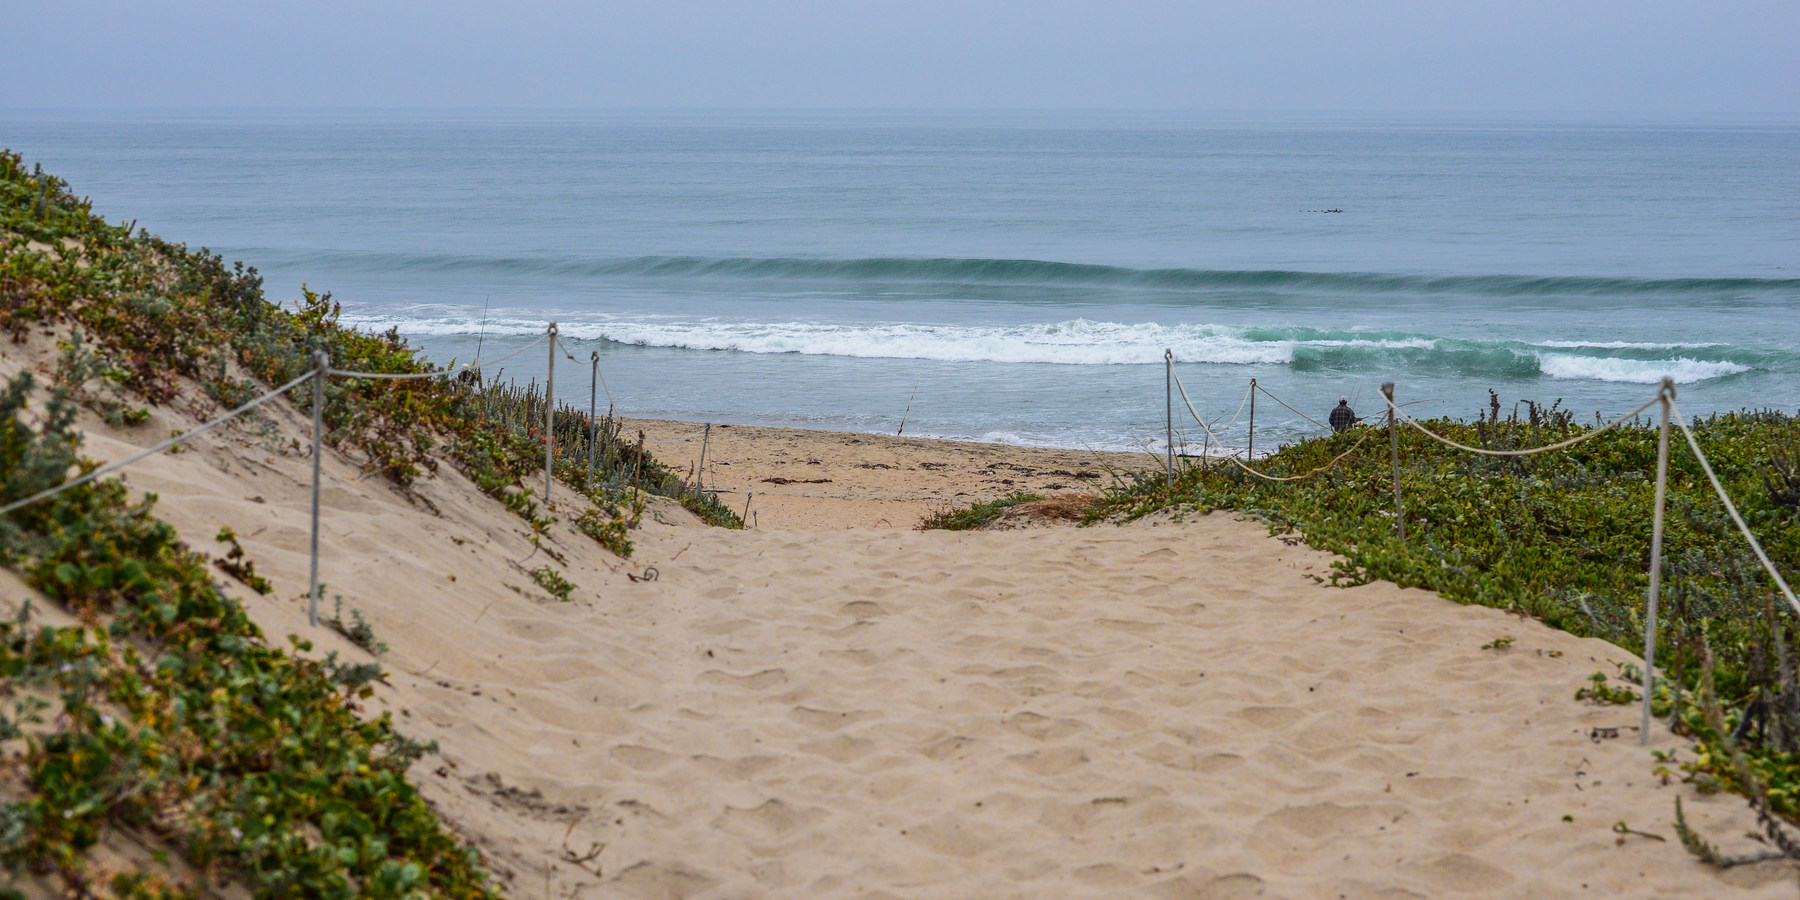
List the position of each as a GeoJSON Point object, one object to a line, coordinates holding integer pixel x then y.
{"type": "Point", "coordinates": [1635, 371]}
{"type": "Point", "coordinates": [1075, 342]}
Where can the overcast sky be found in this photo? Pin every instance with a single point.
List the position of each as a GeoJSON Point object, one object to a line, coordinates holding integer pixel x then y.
{"type": "Point", "coordinates": [1735, 58]}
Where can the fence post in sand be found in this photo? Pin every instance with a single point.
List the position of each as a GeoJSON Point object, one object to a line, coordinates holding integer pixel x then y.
{"type": "Point", "coordinates": [321, 364]}
{"type": "Point", "coordinates": [1667, 395]}
{"type": "Point", "coordinates": [637, 469]}
{"type": "Point", "coordinates": [1250, 451]}
{"type": "Point", "coordinates": [593, 426]}
{"type": "Point", "coordinates": [745, 518]}
{"type": "Point", "coordinates": [550, 419]}
{"type": "Point", "coordinates": [1169, 411]}
{"type": "Point", "coordinates": [700, 473]}
{"type": "Point", "coordinates": [1387, 390]}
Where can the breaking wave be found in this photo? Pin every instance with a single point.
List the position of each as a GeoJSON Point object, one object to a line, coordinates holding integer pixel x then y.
{"type": "Point", "coordinates": [1090, 343]}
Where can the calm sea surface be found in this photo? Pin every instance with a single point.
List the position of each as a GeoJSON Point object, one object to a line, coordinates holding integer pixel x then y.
{"type": "Point", "coordinates": [1017, 277]}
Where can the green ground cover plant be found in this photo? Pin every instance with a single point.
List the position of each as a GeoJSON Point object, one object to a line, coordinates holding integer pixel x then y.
{"type": "Point", "coordinates": [977, 515]}
{"type": "Point", "coordinates": [175, 714]}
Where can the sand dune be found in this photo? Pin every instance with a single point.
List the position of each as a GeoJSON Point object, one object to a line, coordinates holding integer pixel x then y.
{"type": "Point", "coordinates": [1169, 710]}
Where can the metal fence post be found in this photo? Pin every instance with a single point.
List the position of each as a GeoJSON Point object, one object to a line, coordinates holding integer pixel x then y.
{"type": "Point", "coordinates": [593, 426]}
{"type": "Point", "coordinates": [700, 474]}
{"type": "Point", "coordinates": [550, 419]}
{"type": "Point", "coordinates": [1667, 394]}
{"type": "Point", "coordinates": [1250, 451]}
{"type": "Point", "coordinates": [1169, 411]}
{"type": "Point", "coordinates": [1387, 390]}
{"type": "Point", "coordinates": [321, 364]}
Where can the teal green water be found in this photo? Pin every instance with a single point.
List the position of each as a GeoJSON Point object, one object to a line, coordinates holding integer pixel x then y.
{"type": "Point", "coordinates": [1024, 274]}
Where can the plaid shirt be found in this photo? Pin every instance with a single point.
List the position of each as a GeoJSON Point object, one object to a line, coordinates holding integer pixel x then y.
{"type": "Point", "coordinates": [1342, 417]}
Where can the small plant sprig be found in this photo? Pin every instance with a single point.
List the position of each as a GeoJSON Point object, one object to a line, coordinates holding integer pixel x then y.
{"type": "Point", "coordinates": [1600, 693]}
{"type": "Point", "coordinates": [358, 629]}
{"type": "Point", "coordinates": [551, 580]}
{"type": "Point", "coordinates": [239, 566]}
{"type": "Point", "coordinates": [609, 531]}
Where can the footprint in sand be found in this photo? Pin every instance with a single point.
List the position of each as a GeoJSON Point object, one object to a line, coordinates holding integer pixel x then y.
{"type": "Point", "coordinates": [758, 681]}
{"type": "Point", "coordinates": [1044, 728]}
{"type": "Point", "coordinates": [655, 881]}
{"type": "Point", "coordinates": [839, 748]}
{"type": "Point", "coordinates": [1321, 821]}
{"type": "Point", "coordinates": [640, 757]}
{"type": "Point", "coordinates": [862, 609]}
{"type": "Point", "coordinates": [773, 820]}
{"type": "Point", "coordinates": [1270, 717]}
{"type": "Point", "coordinates": [742, 768]}
{"type": "Point", "coordinates": [944, 747]}
{"type": "Point", "coordinates": [830, 720]}
{"type": "Point", "coordinates": [1054, 761]}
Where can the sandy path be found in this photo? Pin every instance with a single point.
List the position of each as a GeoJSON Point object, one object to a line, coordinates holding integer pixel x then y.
{"type": "Point", "coordinates": [1165, 711]}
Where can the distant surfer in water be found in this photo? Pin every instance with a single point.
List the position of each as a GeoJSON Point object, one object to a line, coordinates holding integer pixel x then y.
{"type": "Point", "coordinates": [1343, 416]}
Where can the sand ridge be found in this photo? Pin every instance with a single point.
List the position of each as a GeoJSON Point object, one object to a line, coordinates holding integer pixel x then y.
{"type": "Point", "coordinates": [1171, 710]}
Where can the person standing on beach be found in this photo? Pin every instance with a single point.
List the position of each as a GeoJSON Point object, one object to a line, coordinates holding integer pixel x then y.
{"type": "Point", "coordinates": [1343, 416]}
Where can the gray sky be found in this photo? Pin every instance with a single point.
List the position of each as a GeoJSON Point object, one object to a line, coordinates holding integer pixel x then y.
{"type": "Point", "coordinates": [1545, 56]}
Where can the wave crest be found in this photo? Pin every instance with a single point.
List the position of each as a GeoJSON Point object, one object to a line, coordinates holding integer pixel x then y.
{"type": "Point", "coordinates": [1033, 272]}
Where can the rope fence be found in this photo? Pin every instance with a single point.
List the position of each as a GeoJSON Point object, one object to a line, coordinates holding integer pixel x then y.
{"type": "Point", "coordinates": [1669, 412]}
{"type": "Point", "coordinates": [317, 373]}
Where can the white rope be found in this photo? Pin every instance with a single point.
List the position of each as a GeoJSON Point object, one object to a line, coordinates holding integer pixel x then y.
{"type": "Point", "coordinates": [1732, 509]}
{"type": "Point", "coordinates": [571, 356]}
{"type": "Point", "coordinates": [609, 397]}
{"type": "Point", "coordinates": [1290, 409]}
{"type": "Point", "coordinates": [1535, 450]}
{"type": "Point", "coordinates": [1240, 464]}
{"type": "Point", "coordinates": [1234, 416]}
{"type": "Point", "coordinates": [345, 373]}
{"type": "Point", "coordinates": [114, 467]}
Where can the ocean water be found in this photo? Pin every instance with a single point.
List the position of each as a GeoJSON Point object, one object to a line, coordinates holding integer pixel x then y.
{"type": "Point", "coordinates": [1010, 277]}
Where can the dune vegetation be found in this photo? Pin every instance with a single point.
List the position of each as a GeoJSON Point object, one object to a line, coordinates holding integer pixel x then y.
{"type": "Point", "coordinates": [162, 709]}
{"type": "Point", "coordinates": [1564, 537]}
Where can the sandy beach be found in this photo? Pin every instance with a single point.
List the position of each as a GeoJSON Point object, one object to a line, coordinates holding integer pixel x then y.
{"type": "Point", "coordinates": [834, 704]}
{"type": "Point", "coordinates": [825, 479]}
